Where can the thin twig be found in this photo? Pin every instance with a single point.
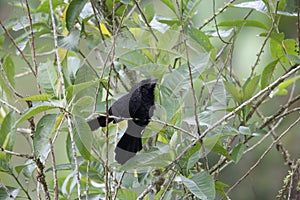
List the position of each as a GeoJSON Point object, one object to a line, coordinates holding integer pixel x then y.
{"type": "Point", "coordinates": [55, 180]}
{"type": "Point", "coordinates": [264, 42]}
{"type": "Point", "coordinates": [87, 185]}
{"type": "Point", "coordinates": [41, 177]}
{"type": "Point", "coordinates": [16, 93]}
{"type": "Point", "coordinates": [190, 69]}
{"type": "Point", "coordinates": [22, 155]}
{"type": "Point", "coordinates": [216, 24]}
{"type": "Point", "coordinates": [32, 38]}
{"type": "Point", "coordinates": [95, 9]}
{"type": "Point", "coordinates": [6, 190]}
{"type": "Point", "coordinates": [145, 19]}
{"type": "Point", "coordinates": [263, 155]}
{"type": "Point", "coordinates": [10, 106]}
{"type": "Point", "coordinates": [118, 186]}
{"type": "Point", "coordinates": [67, 115]}
{"type": "Point", "coordinates": [216, 14]}
{"type": "Point", "coordinates": [20, 185]}
{"type": "Point", "coordinates": [19, 50]}
{"type": "Point", "coordinates": [170, 180]}
{"type": "Point", "coordinates": [279, 112]}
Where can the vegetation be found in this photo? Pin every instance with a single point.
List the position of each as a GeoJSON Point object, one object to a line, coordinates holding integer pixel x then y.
{"type": "Point", "coordinates": [64, 62]}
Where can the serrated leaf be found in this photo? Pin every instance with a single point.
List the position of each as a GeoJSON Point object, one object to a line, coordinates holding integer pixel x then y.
{"type": "Point", "coordinates": [250, 23]}
{"type": "Point", "coordinates": [201, 185]}
{"type": "Point", "coordinates": [267, 74]}
{"type": "Point", "coordinates": [47, 77]}
{"type": "Point", "coordinates": [237, 152]}
{"type": "Point", "coordinates": [73, 11]}
{"type": "Point", "coordinates": [44, 130]}
{"type": "Point", "coordinates": [39, 97]}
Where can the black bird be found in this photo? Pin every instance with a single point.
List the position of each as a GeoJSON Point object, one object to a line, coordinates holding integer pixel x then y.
{"type": "Point", "coordinates": [138, 104]}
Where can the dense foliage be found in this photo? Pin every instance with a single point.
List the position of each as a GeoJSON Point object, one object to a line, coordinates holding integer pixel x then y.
{"type": "Point", "coordinates": [64, 62]}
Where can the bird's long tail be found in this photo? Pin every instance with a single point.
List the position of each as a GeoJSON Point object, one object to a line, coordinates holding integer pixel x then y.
{"type": "Point", "coordinates": [127, 147]}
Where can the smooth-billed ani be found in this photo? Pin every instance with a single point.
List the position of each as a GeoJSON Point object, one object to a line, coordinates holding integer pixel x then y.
{"type": "Point", "coordinates": [137, 104]}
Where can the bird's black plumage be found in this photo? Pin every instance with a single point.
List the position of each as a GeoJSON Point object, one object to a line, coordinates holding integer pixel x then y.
{"type": "Point", "coordinates": [138, 104]}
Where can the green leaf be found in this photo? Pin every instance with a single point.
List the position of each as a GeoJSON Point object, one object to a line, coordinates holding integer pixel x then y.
{"type": "Point", "coordinates": [44, 7]}
{"type": "Point", "coordinates": [278, 37]}
{"type": "Point", "coordinates": [219, 149]}
{"type": "Point", "coordinates": [203, 40]}
{"type": "Point", "coordinates": [201, 185]}
{"type": "Point", "coordinates": [47, 77]}
{"type": "Point", "coordinates": [150, 12]}
{"type": "Point", "coordinates": [256, 5]}
{"type": "Point", "coordinates": [193, 159]}
{"type": "Point", "coordinates": [83, 136]}
{"type": "Point", "coordinates": [237, 152]}
{"type": "Point", "coordinates": [44, 130]}
{"type": "Point", "coordinates": [39, 97]}
{"type": "Point", "coordinates": [156, 158]}
{"type": "Point", "coordinates": [7, 75]}
{"type": "Point", "coordinates": [250, 86]}
{"type": "Point", "coordinates": [279, 50]}
{"type": "Point", "coordinates": [170, 4]}
{"type": "Point", "coordinates": [251, 23]}
{"type": "Point", "coordinates": [287, 82]}
{"type": "Point", "coordinates": [233, 91]}
{"type": "Point", "coordinates": [73, 12]}
{"type": "Point", "coordinates": [7, 136]}
{"type": "Point", "coordinates": [267, 74]}
{"type": "Point", "coordinates": [35, 110]}
{"type": "Point", "coordinates": [293, 58]}
{"type": "Point", "coordinates": [126, 194]}
{"type": "Point", "coordinates": [9, 68]}
{"type": "Point", "coordinates": [220, 188]}
{"type": "Point", "coordinates": [75, 89]}
{"type": "Point", "coordinates": [191, 9]}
